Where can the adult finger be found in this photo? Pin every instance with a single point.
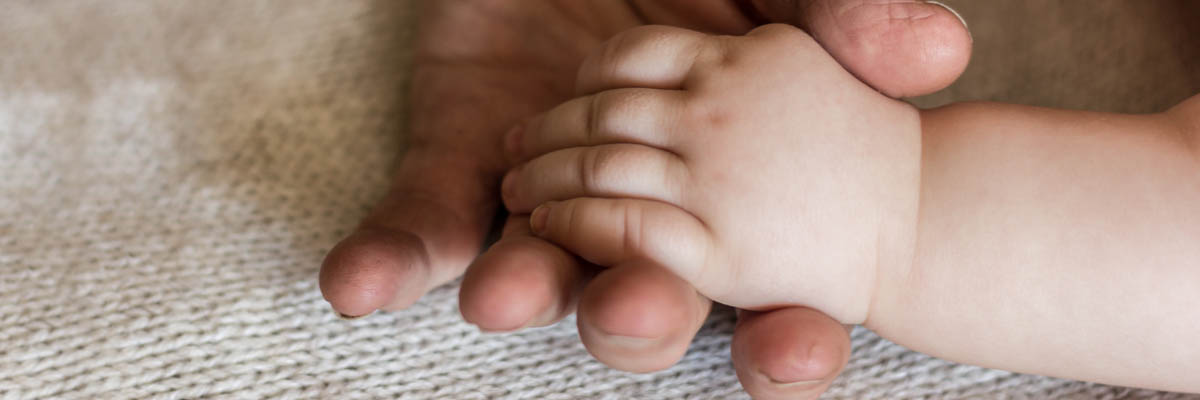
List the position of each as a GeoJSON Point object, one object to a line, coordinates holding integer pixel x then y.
{"type": "Point", "coordinates": [521, 281]}
{"type": "Point", "coordinates": [639, 317]}
{"type": "Point", "coordinates": [900, 47]}
{"type": "Point", "coordinates": [423, 233]}
{"type": "Point", "coordinates": [790, 353]}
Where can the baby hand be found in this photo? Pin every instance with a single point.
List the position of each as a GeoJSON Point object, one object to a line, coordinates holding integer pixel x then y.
{"type": "Point", "coordinates": [754, 167]}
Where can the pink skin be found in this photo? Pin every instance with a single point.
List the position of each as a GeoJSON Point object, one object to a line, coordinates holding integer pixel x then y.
{"type": "Point", "coordinates": [706, 155]}
{"type": "Point", "coordinates": [481, 67]}
{"type": "Point", "coordinates": [976, 232]}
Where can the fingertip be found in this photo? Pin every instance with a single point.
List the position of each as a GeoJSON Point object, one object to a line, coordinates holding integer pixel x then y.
{"type": "Point", "coordinates": [961, 20]}
{"type": "Point", "coordinates": [639, 318]}
{"type": "Point", "coordinates": [947, 42]}
{"type": "Point", "coordinates": [373, 269]}
{"type": "Point", "coordinates": [518, 283]}
{"type": "Point", "coordinates": [802, 363]}
{"type": "Point", "coordinates": [901, 49]}
{"type": "Point", "coordinates": [789, 353]}
{"type": "Point", "coordinates": [643, 304]}
{"type": "Point", "coordinates": [500, 302]}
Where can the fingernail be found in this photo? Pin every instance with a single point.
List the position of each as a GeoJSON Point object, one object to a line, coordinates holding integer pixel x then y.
{"type": "Point", "coordinates": [956, 14]}
{"type": "Point", "coordinates": [537, 221]}
{"type": "Point", "coordinates": [792, 384]}
{"type": "Point", "coordinates": [631, 342]}
{"type": "Point", "coordinates": [349, 317]}
{"type": "Point", "coordinates": [795, 375]}
{"type": "Point", "coordinates": [512, 141]}
{"type": "Point", "coordinates": [486, 330]}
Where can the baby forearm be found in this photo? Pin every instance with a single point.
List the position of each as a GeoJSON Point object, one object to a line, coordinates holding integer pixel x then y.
{"type": "Point", "coordinates": [1054, 242]}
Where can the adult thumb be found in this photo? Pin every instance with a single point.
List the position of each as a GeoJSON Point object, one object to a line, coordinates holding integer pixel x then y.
{"type": "Point", "coordinates": [900, 47]}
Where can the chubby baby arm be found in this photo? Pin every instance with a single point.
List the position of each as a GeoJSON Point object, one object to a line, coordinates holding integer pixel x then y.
{"type": "Point", "coordinates": [1056, 242]}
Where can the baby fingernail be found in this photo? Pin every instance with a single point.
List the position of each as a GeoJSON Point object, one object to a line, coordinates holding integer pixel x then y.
{"type": "Point", "coordinates": [537, 221]}
{"type": "Point", "coordinates": [512, 141]}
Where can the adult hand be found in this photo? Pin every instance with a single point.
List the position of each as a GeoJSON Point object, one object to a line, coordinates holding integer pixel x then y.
{"type": "Point", "coordinates": [480, 67]}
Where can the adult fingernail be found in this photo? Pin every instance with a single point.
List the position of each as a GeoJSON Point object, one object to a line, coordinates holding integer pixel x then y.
{"type": "Point", "coordinates": [541, 214]}
{"type": "Point", "coordinates": [631, 342]}
{"type": "Point", "coordinates": [784, 383]}
{"type": "Point", "coordinates": [796, 371]}
{"type": "Point", "coordinates": [512, 141]}
{"type": "Point", "coordinates": [952, 11]}
{"type": "Point", "coordinates": [789, 379]}
{"type": "Point", "coordinates": [349, 317]}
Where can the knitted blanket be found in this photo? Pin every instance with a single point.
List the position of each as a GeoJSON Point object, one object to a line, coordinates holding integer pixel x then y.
{"type": "Point", "coordinates": [172, 173]}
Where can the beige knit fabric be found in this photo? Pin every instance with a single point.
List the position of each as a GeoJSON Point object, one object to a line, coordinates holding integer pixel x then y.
{"type": "Point", "coordinates": [171, 174]}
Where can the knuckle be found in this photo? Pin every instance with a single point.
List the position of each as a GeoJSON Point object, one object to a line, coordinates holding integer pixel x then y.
{"type": "Point", "coordinates": [620, 47]}
{"type": "Point", "coordinates": [600, 167]}
{"type": "Point", "coordinates": [604, 116]}
{"type": "Point", "coordinates": [636, 170]}
{"type": "Point", "coordinates": [615, 48]}
{"type": "Point", "coordinates": [634, 228]}
{"type": "Point", "coordinates": [615, 114]}
{"type": "Point", "coordinates": [713, 54]}
{"type": "Point", "coordinates": [620, 50]}
{"type": "Point", "coordinates": [592, 165]}
{"type": "Point", "coordinates": [651, 34]}
{"type": "Point", "coordinates": [571, 224]}
{"type": "Point", "coordinates": [597, 118]}
{"type": "Point", "coordinates": [723, 54]}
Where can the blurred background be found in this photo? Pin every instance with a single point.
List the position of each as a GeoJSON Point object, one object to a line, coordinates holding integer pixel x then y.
{"type": "Point", "coordinates": [172, 173]}
{"type": "Point", "coordinates": [1101, 55]}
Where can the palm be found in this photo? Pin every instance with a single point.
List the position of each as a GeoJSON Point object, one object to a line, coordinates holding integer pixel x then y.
{"type": "Point", "coordinates": [479, 68]}
{"type": "Point", "coordinates": [482, 66]}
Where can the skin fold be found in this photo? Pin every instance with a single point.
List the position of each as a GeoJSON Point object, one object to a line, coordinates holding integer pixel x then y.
{"type": "Point", "coordinates": [1036, 222]}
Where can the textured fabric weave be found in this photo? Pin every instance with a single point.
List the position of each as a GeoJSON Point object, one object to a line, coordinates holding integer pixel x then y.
{"type": "Point", "coordinates": [174, 171]}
